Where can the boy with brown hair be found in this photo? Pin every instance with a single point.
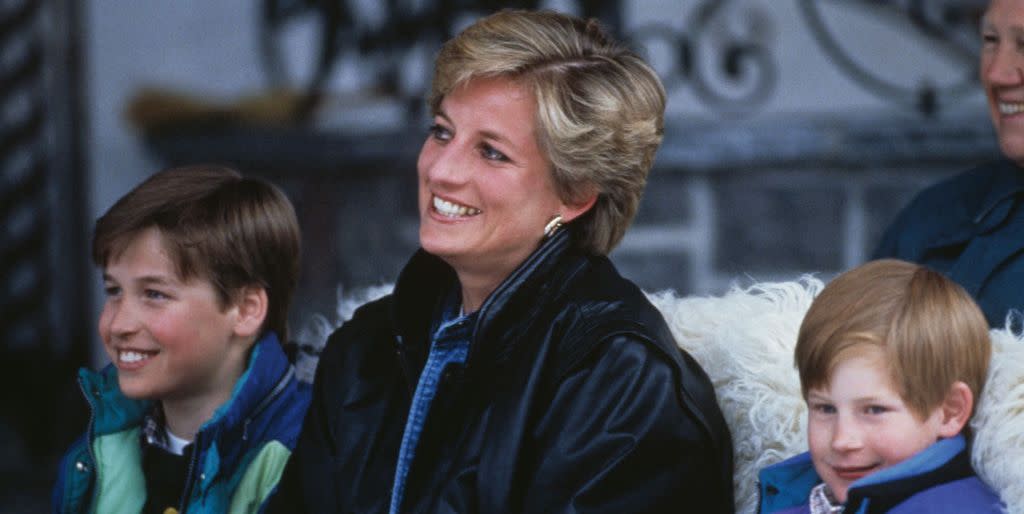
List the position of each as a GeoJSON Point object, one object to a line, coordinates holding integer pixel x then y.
{"type": "Point", "coordinates": [892, 359]}
{"type": "Point", "coordinates": [200, 407]}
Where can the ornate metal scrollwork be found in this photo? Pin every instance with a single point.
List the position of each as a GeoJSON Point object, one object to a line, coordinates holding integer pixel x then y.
{"type": "Point", "coordinates": [950, 24]}
{"type": "Point", "coordinates": [724, 52]}
{"type": "Point", "coordinates": [340, 26]}
{"type": "Point", "coordinates": [741, 75]}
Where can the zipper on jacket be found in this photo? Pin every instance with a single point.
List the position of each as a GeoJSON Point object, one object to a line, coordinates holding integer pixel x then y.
{"type": "Point", "coordinates": [90, 431]}
{"type": "Point", "coordinates": [400, 354]}
{"type": "Point", "coordinates": [274, 393]}
{"type": "Point", "coordinates": [188, 477]}
{"type": "Point", "coordinates": [267, 400]}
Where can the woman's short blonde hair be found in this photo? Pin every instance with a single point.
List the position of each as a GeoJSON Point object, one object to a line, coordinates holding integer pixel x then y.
{"type": "Point", "coordinates": [925, 327]}
{"type": "Point", "coordinates": [600, 107]}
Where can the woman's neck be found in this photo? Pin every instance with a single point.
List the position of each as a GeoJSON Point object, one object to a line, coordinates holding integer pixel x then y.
{"type": "Point", "coordinates": [479, 279]}
{"type": "Point", "coordinates": [475, 291]}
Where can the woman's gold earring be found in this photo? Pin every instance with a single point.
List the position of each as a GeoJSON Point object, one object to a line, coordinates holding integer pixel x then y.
{"type": "Point", "coordinates": [553, 226]}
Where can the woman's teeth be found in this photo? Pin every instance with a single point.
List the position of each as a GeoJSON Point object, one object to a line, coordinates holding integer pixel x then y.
{"type": "Point", "coordinates": [453, 210]}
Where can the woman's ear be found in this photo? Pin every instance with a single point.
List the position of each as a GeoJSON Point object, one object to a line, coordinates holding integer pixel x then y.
{"type": "Point", "coordinates": [956, 409]}
{"type": "Point", "coordinates": [576, 208]}
{"type": "Point", "coordinates": [252, 307]}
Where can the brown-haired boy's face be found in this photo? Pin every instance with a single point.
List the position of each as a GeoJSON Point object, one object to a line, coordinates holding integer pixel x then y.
{"type": "Point", "coordinates": [170, 339]}
{"type": "Point", "coordinates": [858, 424]}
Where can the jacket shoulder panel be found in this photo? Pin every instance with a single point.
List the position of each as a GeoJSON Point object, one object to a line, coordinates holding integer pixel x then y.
{"type": "Point", "coordinates": [120, 486]}
{"type": "Point", "coordinates": [372, 318]}
{"type": "Point", "coordinates": [605, 315]}
{"type": "Point", "coordinates": [74, 478]}
{"type": "Point", "coordinates": [964, 495]}
{"type": "Point", "coordinates": [260, 478]}
{"type": "Point", "coordinates": [940, 210]}
{"type": "Point", "coordinates": [599, 432]}
{"type": "Point", "coordinates": [600, 304]}
{"type": "Point", "coordinates": [283, 418]}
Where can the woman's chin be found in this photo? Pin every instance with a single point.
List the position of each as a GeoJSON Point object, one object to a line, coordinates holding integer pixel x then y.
{"type": "Point", "coordinates": [443, 248]}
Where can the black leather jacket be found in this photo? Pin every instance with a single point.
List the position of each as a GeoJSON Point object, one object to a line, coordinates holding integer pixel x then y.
{"type": "Point", "coordinates": [573, 398]}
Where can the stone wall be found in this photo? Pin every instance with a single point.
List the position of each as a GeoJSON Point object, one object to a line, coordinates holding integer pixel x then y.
{"type": "Point", "coordinates": [778, 199]}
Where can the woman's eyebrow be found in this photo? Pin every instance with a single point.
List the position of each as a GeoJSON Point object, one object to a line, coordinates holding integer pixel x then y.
{"type": "Point", "coordinates": [440, 113]}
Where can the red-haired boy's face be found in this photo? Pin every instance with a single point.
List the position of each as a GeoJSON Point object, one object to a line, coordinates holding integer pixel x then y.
{"type": "Point", "coordinates": [858, 424]}
{"type": "Point", "coordinates": [170, 339]}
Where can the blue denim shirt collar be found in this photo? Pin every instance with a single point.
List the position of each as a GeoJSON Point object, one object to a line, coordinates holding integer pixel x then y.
{"type": "Point", "coordinates": [449, 345]}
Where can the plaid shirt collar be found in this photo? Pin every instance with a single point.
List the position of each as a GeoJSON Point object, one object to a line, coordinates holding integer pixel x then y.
{"type": "Point", "coordinates": [154, 429]}
{"type": "Point", "coordinates": [822, 501]}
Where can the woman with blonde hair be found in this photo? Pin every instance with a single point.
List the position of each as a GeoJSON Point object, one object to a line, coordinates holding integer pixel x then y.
{"type": "Point", "coordinates": [512, 369]}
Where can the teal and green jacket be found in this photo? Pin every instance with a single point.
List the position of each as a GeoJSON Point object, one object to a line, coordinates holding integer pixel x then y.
{"type": "Point", "coordinates": [238, 454]}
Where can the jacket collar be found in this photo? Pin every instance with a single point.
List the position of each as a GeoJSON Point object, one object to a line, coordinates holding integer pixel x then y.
{"type": "Point", "coordinates": [266, 376]}
{"type": "Point", "coordinates": [985, 204]}
{"type": "Point", "coordinates": [942, 462]}
{"type": "Point", "coordinates": [421, 287]}
{"type": "Point", "coordinates": [268, 371]}
{"type": "Point", "coordinates": [1007, 180]}
{"type": "Point", "coordinates": [788, 483]}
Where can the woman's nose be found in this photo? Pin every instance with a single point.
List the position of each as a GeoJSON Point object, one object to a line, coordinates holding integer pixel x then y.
{"type": "Point", "coordinates": [450, 165]}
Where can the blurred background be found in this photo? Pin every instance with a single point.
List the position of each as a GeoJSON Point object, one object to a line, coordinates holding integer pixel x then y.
{"type": "Point", "coordinates": [795, 131]}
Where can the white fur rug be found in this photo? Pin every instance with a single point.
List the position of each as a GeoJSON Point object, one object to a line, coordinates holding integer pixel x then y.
{"type": "Point", "coordinates": [744, 340]}
{"type": "Point", "coordinates": [999, 421]}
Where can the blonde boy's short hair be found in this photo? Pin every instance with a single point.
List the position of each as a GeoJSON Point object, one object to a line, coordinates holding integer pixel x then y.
{"type": "Point", "coordinates": [925, 326]}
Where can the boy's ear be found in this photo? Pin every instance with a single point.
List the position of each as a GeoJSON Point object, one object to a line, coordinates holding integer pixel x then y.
{"type": "Point", "coordinates": [956, 409]}
{"type": "Point", "coordinates": [252, 307]}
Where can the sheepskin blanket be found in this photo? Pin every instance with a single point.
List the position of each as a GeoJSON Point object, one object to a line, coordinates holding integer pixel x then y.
{"type": "Point", "coordinates": [744, 339]}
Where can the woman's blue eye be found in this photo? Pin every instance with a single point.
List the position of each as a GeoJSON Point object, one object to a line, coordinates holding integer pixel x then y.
{"type": "Point", "coordinates": [439, 132]}
{"type": "Point", "coordinates": [876, 409]}
{"type": "Point", "coordinates": [111, 290]}
{"type": "Point", "coordinates": [490, 153]}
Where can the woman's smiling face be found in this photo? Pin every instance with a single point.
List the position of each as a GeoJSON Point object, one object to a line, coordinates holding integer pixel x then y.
{"type": "Point", "coordinates": [485, 186]}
